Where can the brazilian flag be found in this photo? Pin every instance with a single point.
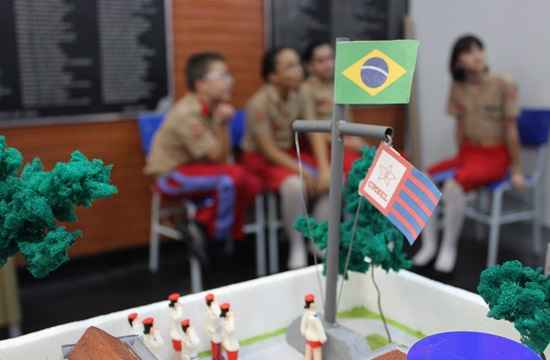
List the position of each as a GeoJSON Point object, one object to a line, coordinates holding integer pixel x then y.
{"type": "Point", "coordinates": [374, 72]}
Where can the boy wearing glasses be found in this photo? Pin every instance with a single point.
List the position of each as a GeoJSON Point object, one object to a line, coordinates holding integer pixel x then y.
{"type": "Point", "coordinates": [191, 151]}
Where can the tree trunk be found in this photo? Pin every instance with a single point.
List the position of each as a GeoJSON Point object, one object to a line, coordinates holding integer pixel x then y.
{"type": "Point", "coordinates": [380, 307]}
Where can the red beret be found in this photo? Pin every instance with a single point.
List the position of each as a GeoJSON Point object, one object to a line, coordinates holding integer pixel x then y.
{"type": "Point", "coordinates": [225, 306]}
{"type": "Point", "coordinates": [148, 321]}
{"type": "Point", "coordinates": [310, 298]}
{"type": "Point", "coordinates": [132, 316]}
{"type": "Point", "coordinates": [185, 322]}
{"type": "Point", "coordinates": [209, 297]}
{"type": "Point", "coordinates": [174, 297]}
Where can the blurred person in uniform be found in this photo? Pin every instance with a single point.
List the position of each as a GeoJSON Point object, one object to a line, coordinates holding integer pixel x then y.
{"type": "Point", "coordinates": [269, 148]}
{"type": "Point", "coordinates": [318, 94]}
{"type": "Point", "coordinates": [190, 154]}
{"type": "Point", "coordinates": [485, 106]}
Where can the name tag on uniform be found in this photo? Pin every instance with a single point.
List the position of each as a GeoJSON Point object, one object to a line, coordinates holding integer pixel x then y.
{"type": "Point", "coordinates": [405, 195]}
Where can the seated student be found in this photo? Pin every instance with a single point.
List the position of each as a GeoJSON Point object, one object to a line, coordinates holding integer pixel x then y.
{"type": "Point", "coordinates": [269, 145]}
{"type": "Point", "coordinates": [190, 151]}
{"type": "Point", "coordinates": [485, 107]}
{"type": "Point", "coordinates": [318, 94]}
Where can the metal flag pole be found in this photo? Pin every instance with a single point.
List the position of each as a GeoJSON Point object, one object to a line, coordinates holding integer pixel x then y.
{"type": "Point", "coordinates": [337, 127]}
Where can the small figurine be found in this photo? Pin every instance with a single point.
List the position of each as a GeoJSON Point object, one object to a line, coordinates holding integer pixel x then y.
{"type": "Point", "coordinates": [190, 342]}
{"type": "Point", "coordinates": [136, 326]}
{"type": "Point", "coordinates": [151, 336]}
{"type": "Point", "coordinates": [312, 329]}
{"type": "Point", "coordinates": [229, 339]}
{"type": "Point", "coordinates": [214, 326]}
{"type": "Point", "coordinates": [176, 313]}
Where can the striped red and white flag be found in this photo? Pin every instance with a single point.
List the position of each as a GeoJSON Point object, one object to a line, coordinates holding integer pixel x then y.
{"type": "Point", "coordinates": [404, 194]}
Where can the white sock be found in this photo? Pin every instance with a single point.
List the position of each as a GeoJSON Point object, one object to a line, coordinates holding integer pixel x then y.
{"type": "Point", "coordinates": [291, 207]}
{"type": "Point", "coordinates": [455, 202]}
{"type": "Point", "coordinates": [429, 243]}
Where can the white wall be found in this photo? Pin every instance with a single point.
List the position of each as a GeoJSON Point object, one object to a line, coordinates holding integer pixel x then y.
{"type": "Point", "coordinates": [517, 39]}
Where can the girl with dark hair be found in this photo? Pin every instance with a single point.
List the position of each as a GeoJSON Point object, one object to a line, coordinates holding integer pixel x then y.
{"type": "Point", "coordinates": [485, 107]}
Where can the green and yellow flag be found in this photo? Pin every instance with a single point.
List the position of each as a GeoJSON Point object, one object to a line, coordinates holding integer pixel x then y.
{"type": "Point", "coordinates": [374, 72]}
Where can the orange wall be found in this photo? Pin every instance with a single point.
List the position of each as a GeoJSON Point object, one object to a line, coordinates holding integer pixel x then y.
{"type": "Point", "coordinates": [234, 28]}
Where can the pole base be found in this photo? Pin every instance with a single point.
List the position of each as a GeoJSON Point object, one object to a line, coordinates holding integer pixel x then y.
{"type": "Point", "coordinates": [342, 343]}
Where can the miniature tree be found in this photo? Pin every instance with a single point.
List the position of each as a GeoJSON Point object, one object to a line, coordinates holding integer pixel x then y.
{"type": "Point", "coordinates": [521, 295]}
{"type": "Point", "coordinates": [374, 240]}
{"type": "Point", "coordinates": [34, 201]}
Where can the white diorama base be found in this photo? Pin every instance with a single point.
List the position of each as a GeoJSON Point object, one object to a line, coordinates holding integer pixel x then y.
{"type": "Point", "coordinates": [265, 307]}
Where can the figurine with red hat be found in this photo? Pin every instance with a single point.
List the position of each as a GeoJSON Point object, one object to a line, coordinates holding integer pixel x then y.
{"type": "Point", "coordinates": [229, 340]}
{"type": "Point", "coordinates": [135, 324]}
{"type": "Point", "coordinates": [176, 314]}
{"type": "Point", "coordinates": [151, 336]}
{"type": "Point", "coordinates": [214, 326]}
{"type": "Point", "coordinates": [190, 342]}
{"type": "Point", "coordinates": [312, 329]}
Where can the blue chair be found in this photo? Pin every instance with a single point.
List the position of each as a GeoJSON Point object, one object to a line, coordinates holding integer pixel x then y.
{"type": "Point", "coordinates": [533, 126]}
{"type": "Point", "coordinates": [148, 125]}
{"type": "Point", "coordinates": [237, 128]}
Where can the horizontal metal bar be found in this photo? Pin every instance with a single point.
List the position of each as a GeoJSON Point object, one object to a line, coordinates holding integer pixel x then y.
{"type": "Point", "coordinates": [311, 126]}
{"type": "Point", "coordinates": [376, 131]}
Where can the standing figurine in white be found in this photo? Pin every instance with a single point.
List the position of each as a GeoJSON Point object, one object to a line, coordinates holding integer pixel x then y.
{"type": "Point", "coordinates": [229, 340]}
{"type": "Point", "coordinates": [136, 326]}
{"type": "Point", "coordinates": [214, 326]}
{"type": "Point", "coordinates": [176, 314]}
{"type": "Point", "coordinates": [312, 329]}
{"type": "Point", "coordinates": [190, 342]}
{"type": "Point", "coordinates": [151, 336]}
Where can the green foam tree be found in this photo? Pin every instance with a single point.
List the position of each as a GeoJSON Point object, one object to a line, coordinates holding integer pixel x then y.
{"type": "Point", "coordinates": [376, 242]}
{"type": "Point", "coordinates": [521, 295]}
{"type": "Point", "coordinates": [376, 238]}
{"type": "Point", "coordinates": [34, 201]}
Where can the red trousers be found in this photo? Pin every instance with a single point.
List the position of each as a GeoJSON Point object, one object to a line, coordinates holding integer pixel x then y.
{"type": "Point", "coordinates": [274, 175]}
{"type": "Point", "coordinates": [232, 355]}
{"type": "Point", "coordinates": [475, 166]}
{"type": "Point", "coordinates": [225, 191]}
{"type": "Point", "coordinates": [216, 349]}
{"type": "Point", "coordinates": [314, 344]}
{"type": "Point", "coordinates": [176, 344]}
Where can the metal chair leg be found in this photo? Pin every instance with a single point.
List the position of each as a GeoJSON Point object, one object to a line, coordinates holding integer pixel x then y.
{"type": "Point", "coordinates": [496, 210]}
{"type": "Point", "coordinates": [483, 206]}
{"type": "Point", "coordinates": [196, 274]}
{"type": "Point", "coordinates": [261, 266]}
{"type": "Point", "coordinates": [273, 239]}
{"type": "Point", "coordinates": [537, 228]}
{"type": "Point", "coordinates": [154, 236]}
{"type": "Point", "coordinates": [14, 330]}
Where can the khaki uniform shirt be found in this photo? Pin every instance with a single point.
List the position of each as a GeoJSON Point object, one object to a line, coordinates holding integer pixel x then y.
{"type": "Point", "coordinates": [318, 99]}
{"type": "Point", "coordinates": [268, 114]}
{"type": "Point", "coordinates": [483, 108]}
{"type": "Point", "coordinates": [186, 135]}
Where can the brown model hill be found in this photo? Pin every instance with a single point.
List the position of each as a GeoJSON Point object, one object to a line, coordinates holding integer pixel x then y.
{"type": "Point", "coordinates": [393, 355]}
{"type": "Point", "coordinates": [96, 344]}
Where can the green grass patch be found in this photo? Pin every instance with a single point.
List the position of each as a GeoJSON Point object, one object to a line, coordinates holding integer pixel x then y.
{"type": "Point", "coordinates": [376, 341]}
{"type": "Point", "coordinates": [263, 337]}
{"type": "Point", "coordinates": [364, 313]}
{"type": "Point", "coordinates": [252, 340]}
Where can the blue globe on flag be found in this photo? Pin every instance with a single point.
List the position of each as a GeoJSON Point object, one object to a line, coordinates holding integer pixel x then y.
{"type": "Point", "coordinates": [374, 72]}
